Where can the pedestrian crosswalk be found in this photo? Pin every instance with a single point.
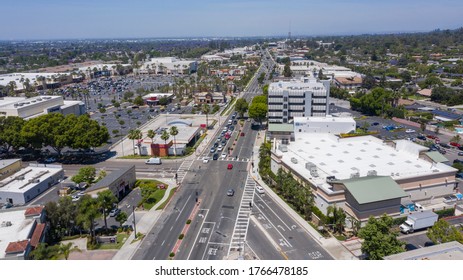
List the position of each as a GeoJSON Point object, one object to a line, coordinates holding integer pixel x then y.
{"type": "Point", "coordinates": [227, 159]}
{"type": "Point", "coordinates": [244, 213]}
{"type": "Point", "coordinates": [183, 169]}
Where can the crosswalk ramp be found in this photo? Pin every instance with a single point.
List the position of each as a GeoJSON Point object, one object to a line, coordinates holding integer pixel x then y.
{"type": "Point", "coordinates": [244, 213]}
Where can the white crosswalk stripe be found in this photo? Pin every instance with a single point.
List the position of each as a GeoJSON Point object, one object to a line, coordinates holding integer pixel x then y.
{"type": "Point", "coordinates": [242, 220]}
{"type": "Point", "coordinates": [183, 169]}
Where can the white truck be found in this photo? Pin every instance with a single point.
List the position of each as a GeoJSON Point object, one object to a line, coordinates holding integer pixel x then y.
{"type": "Point", "coordinates": [418, 220]}
{"type": "Point", "coordinates": [153, 161]}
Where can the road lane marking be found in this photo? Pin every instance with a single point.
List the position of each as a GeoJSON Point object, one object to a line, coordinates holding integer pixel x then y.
{"type": "Point", "coordinates": [183, 208]}
{"type": "Point", "coordinates": [197, 235]}
{"type": "Point", "coordinates": [274, 212]}
{"type": "Point", "coordinates": [275, 228]}
{"type": "Point", "coordinates": [163, 242]}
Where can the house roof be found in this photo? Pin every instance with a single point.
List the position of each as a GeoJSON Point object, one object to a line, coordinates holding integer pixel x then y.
{"type": "Point", "coordinates": [17, 247]}
{"type": "Point", "coordinates": [37, 235]}
{"type": "Point", "coordinates": [373, 188]}
{"type": "Point", "coordinates": [349, 80]}
{"type": "Point", "coordinates": [33, 211]}
{"type": "Point", "coordinates": [436, 156]}
{"type": "Point", "coordinates": [425, 92]}
{"type": "Point", "coordinates": [280, 127]}
{"type": "Point", "coordinates": [110, 178]}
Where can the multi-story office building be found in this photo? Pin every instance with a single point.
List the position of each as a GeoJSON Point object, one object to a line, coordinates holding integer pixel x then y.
{"type": "Point", "coordinates": [307, 97]}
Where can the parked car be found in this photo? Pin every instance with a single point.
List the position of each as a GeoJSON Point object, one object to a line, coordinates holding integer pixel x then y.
{"type": "Point", "coordinates": [455, 144]}
{"type": "Point", "coordinates": [205, 159]}
{"type": "Point", "coordinates": [242, 134]}
{"type": "Point", "coordinates": [421, 137]}
{"type": "Point", "coordinates": [459, 175]}
{"type": "Point", "coordinates": [215, 156]}
{"type": "Point", "coordinates": [230, 166]}
{"type": "Point", "coordinates": [375, 124]}
{"type": "Point", "coordinates": [445, 145]}
{"type": "Point", "coordinates": [460, 153]}
{"type": "Point", "coordinates": [410, 131]}
{"type": "Point", "coordinates": [114, 212]}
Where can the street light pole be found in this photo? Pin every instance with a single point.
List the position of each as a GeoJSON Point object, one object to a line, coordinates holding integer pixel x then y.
{"type": "Point", "coordinates": [134, 223]}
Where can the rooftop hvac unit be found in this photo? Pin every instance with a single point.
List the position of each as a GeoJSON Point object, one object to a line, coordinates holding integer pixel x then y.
{"type": "Point", "coordinates": [355, 175]}
{"type": "Point", "coordinates": [330, 179]}
{"type": "Point", "coordinates": [314, 173]}
{"type": "Point", "coordinates": [310, 166]}
{"type": "Point", "coordinates": [372, 173]}
{"type": "Point", "coordinates": [294, 160]}
{"type": "Point", "coordinates": [6, 224]}
{"type": "Point", "coordinates": [283, 148]}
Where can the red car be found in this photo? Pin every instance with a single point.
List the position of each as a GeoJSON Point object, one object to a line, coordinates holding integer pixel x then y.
{"type": "Point", "coordinates": [454, 144]}
{"type": "Point", "coordinates": [242, 134]}
{"type": "Point", "coordinates": [230, 166]}
{"type": "Point", "coordinates": [431, 136]}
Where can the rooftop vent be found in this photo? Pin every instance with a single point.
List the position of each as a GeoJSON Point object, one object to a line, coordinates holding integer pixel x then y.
{"type": "Point", "coordinates": [372, 173]}
{"type": "Point", "coordinates": [355, 175]}
{"type": "Point", "coordinates": [365, 143]}
{"type": "Point", "coordinates": [418, 166]}
{"type": "Point", "coordinates": [317, 148]}
{"type": "Point", "coordinates": [346, 152]}
{"type": "Point", "coordinates": [379, 149]}
{"type": "Point", "coordinates": [390, 163]}
{"type": "Point", "coordinates": [283, 148]}
{"type": "Point", "coordinates": [392, 155]}
{"type": "Point", "coordinates": [372, 165]}
{"type": "Point", "coordinates": [328, 154]}
{"type": "Point", "coordinates": [362, 150]}
{"type": "Point", "coordinates": [340, 161]}
{"type": "Point", "coordinates": [350, 144]}
{"type": "Point", "coordinates": [6, 224]}
{"type": "Point", "coordinates": [333, 146]}
{"type": "Point", "coordinates": [358, 158]}
{"type": "Point", "coordinates": [322, 163]}
{"type": "Point", "coordinates": [407, 161]}
{"type": "Point", "coordinates": [294, 160]}
{"type": "Point", "coordinates": [376, 156]}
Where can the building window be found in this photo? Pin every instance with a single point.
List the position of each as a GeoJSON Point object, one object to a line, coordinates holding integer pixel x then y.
{"type": "Point", "coordinates": [300, 130]}
{"type": "Point", "coordinates": [285, 113]}
{"type": "Point", "coordinates": [285, 99]}
{"type": "Point", "coordinates": [285, 106]}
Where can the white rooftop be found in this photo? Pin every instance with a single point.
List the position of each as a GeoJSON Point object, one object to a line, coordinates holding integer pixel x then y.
{"type": "Point", "coordinates": [341, 158]}
{"type": "Point", "coordinates": [19, 102]}
{"type": "Point", "coordinates": [301, 84]}
{"type": "Point", "coordinates": [18, 231]}
{"type": "Point", "coordinates": [24, 180]}
{"type": "Point", "coordinates": [19, 78]}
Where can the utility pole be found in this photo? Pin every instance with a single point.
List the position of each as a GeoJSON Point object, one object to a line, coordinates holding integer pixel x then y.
{"type": "Point", "coordinates": [134, 223]}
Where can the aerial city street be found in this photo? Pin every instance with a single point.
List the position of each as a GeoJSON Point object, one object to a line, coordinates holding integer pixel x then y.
{"type": "Point", "coordinates": [161, 144]}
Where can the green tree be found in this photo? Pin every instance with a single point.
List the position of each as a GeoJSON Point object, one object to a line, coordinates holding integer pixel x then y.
{"type": "Point", "coordinates": [443, 232]}
{"type": "Point", "coordinates": [456, 139]}
{"type": "Point", "coordinates": [379, 239]}
{"type": "Point", "coordinates": [86, 133]}
{"type": "Point", "coordinates": [336, 217]}
{"type": "Point", "coordinates": [88, 212]}
{"type": "Point", "coordinates": [44, 252]}
{"type": "Point", "coordinates": [106, 200]}
{"type": "Point", "coordinates": [163, 101]}
{"type": "Point", "coordinates": [151, 134]}
{"type": "Point", "coordinates": [241, 106]}
{"type": "Point", "coordinates": [121, 218]}
{"type": "Point", "coordinates": [258, 111]}
{"type": "Point", "coordinates": [135, 134]}
{"type": "Point", "coordinates": [287, 70]}
{"type": "Point", "coordinates": [165, 136]}
{"type": "Point", "coordinates": [66, 249]}
{"type": "Point", "coordinates": [174, 132]}
{"type": "Point", "coordinates": [10, 133]}
{"type": "Point", "coordinates": [139, 101]}
{"type": "Point", "coordinates": [85, 174]}
{"type": "Point", "coordinates": [206, 109]}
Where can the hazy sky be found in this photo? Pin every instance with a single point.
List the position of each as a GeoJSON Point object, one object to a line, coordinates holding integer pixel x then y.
{"type": "Point", "coordinates": [52, 19]}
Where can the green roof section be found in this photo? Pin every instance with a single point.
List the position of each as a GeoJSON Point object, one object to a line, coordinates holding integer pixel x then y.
{"type": "Point", "coordinates": [280, 127]}
{"type": "Point", "coordinates": [373, 188]}
{"type": "Point", "coordinates": [436, 156]}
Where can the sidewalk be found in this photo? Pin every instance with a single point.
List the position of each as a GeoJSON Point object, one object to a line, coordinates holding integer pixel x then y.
{"type": "Point", "coordinates": [145, 224]}
{"type": "Point", "coordinates": [331, 245]}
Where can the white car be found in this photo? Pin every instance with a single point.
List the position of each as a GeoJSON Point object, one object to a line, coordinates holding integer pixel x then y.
{"type": "Point", "coordinates": [260, 190]}
{"type": "Point", "coordinates": [410, 131]}
{"type": "Point", "coordinates": [205, 160]}
{"type": "Point", "coordinates": [219, 148]}
{"type": "Point", "coordinates": [224, 155]}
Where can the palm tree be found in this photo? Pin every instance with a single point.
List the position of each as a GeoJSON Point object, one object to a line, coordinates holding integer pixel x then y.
{"type": "Point", "coordinates": [66, 249]}
{"type": "Point", "coordinates": [165, 136]}
{"type": "Point", "coordinates": [151, 134]}
{"type": "Point", "coordinates": [106, 200]}
{"type": "Point", "coordinates": [88, 212]}
{"type": "Point", "coordinates": [336, 217]}
{"type": "Point", "coordinates": [456, 139]}
{"type": "Point", "coordinates": [206, 109]}
{"type": "Point", "coordinates": [135, 134]}
{"type": "Point", "coordinates": [174, 131]}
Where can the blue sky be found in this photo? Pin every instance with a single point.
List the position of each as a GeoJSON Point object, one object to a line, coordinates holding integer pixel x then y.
{"type": "Point", "coordinates": [54, 19]}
